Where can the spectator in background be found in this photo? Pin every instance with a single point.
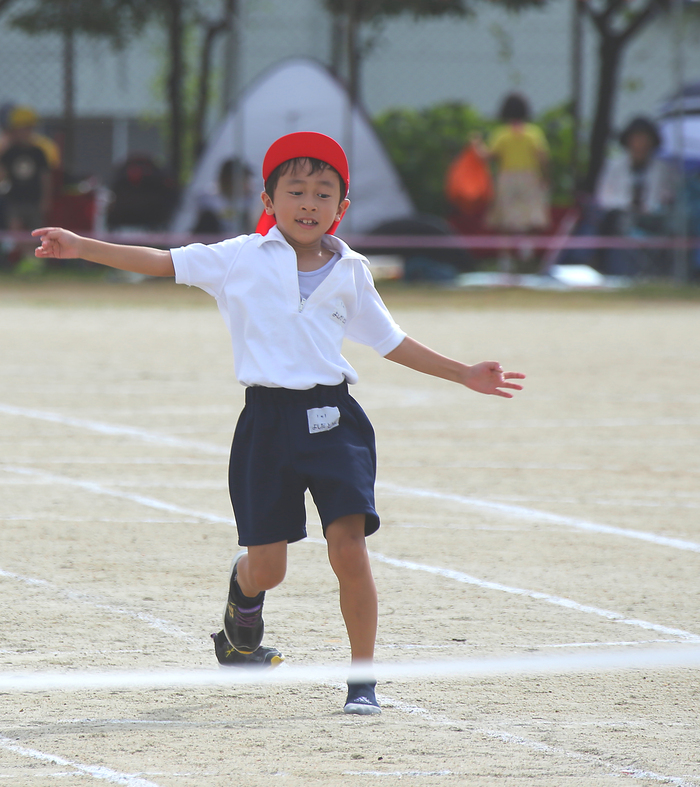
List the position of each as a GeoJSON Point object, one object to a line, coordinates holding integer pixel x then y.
{"type": "Point", "coordinates": [635, 194]}
{"type": "Point", "coordinates": [50, 148]}
{"type": "Point", "coordinates": [521, 154]}
{"type": "Point", "coordinates": [226, 209]}
{"type": "Point", "coordinates": [145, 195]}
{"type": "Point", "coordinates": [25, 172]}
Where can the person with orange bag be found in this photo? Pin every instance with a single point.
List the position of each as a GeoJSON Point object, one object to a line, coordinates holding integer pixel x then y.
{"type": "Point", "coordinates": [521, 154]}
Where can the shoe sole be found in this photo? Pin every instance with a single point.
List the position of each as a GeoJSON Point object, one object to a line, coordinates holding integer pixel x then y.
{"type": "Point", "coordinates": [234, 563]}
{"type": "Point", "coordinates": [360, 709]}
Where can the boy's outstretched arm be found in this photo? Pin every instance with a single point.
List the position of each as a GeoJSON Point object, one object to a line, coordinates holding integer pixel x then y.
{"type": "Point", "coordinates": [486, 377]}
{"type": "Point", "coordinates": [64, 245]}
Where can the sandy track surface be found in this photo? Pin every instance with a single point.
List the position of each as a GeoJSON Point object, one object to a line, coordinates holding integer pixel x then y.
{"type": "Point", "coordinates": [564, 522]}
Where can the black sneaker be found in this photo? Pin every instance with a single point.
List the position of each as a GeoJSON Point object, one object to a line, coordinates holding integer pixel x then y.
{"type": "Point", "coordinates": [243, 622]}
{"type": "Point", "coordinates": [361, 699]}
{"type": "Point", "coordinates": [228, 656]}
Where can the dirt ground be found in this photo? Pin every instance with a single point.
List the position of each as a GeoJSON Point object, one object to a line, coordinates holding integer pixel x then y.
{"type": "Point", "coordinates": [530, 526]}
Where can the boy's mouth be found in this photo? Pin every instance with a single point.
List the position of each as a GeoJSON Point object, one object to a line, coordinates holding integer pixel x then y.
{"type": "Point", "coordinates": [307, 222]}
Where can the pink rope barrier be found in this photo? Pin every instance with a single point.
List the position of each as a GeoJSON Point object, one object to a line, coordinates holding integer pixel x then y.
{"type": "Point", "coordinates": [409, 242]}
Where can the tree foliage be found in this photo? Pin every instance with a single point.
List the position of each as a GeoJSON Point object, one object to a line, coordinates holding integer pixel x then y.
{"type": "Point", "coordinates": [117, 21]}
{"type": "Point", "coordinates": [111, 19]}
{"type": "Point", "coordinates": [616, 22]}
{"type": "Point", "coordinates": [368, 10]}
{"type": "Point", "coordinates": [423, 142]}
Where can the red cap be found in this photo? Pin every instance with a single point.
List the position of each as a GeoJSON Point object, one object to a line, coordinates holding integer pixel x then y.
{"type": "Point", "coordinates": [303, 144]}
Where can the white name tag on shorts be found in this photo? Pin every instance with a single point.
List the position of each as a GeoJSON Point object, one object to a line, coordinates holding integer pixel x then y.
{"type": "Point", "coordinates": [322, 419]}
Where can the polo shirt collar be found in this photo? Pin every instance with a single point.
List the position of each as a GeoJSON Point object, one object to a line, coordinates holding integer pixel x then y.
{"type": "Point", "coordinates": [331, 242]}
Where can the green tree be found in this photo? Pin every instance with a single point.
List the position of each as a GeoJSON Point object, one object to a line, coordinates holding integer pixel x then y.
{"type": "Point", "coordinates": [423, 142]}
{"type": "Point", "coordinates": [111, 19]}
{"type": "Point", "coordinates": [353, 14]}
{"type": "Point", "coordinates": [116, 21]}
{"type": "Point", "coordinates": [616, 22]}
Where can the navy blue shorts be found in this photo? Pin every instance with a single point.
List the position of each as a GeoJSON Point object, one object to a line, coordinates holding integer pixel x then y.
{"type": "Point", "coordinates": [287, 441]}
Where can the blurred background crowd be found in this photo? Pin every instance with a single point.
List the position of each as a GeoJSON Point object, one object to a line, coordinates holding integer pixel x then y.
{"type": "Point", "coordinates": [517, 118]}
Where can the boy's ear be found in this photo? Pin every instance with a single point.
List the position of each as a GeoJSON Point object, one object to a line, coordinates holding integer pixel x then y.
{"type": "Point", "coordinates": [267, 202]}
{"type": "Point", "coordinates": [344, 205]}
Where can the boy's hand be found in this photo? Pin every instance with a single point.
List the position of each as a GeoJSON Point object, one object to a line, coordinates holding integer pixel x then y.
{"type": "Point", "coordinates": [488, 377]}
{"type": "Point", "coordinates": [57, 243]}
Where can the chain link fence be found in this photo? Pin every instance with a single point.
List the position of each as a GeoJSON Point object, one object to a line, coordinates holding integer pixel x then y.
{"type": "Point", "coordinates": [118, 97]}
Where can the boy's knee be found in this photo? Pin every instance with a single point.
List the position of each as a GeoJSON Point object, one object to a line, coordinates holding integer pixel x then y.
{"type": "Point", "coordinates": [347, 549]}
{"type": "Point", "coordinates": [264, 570]}
{"type": "Point", "coordinates": [266, 577]}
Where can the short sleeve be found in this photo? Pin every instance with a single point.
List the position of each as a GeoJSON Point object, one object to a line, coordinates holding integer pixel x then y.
{"type": "Point", "coordinates": [372, 324]}
{"type": "Point", "coordinates": [206, 267]}
{"type": "Point", "coordinates": [497, 140]}
{"type": "Point", "coordinates": [538, 138]}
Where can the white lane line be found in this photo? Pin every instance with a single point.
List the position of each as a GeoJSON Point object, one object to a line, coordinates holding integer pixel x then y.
{"type": "Point", "coordinates": [112, 430]}
{"type": "Point", "coordinates": [506, 737]}
{"type": "Point", "coordinates": [89, 486]}
{"type": "Point", "coordinates": [394, 463]}
{"type": "Point", "coordinates": [447, 573]}
{"type": "Point", "coordinates": [465, 464]}
{"type": "Point", "coordinates": [559, 601]}
{"type": "Point", "coordinates": [532, 423]}
{"type": "Point", "coordinates": [509, 510]}
{"type": "Point", "coordinates": [96, 771]}
{"type": "Point", "coordinates": [520, 512]}
{"type": "Point", "coordinates": [164, 626]}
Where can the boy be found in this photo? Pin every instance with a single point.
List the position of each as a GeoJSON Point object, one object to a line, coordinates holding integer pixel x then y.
{"type": "Point", "coordinates": [290, 293]}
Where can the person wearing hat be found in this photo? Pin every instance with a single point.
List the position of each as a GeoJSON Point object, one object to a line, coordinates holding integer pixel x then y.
{"type": "Point", "coordinates": [25, 172]}
{"type": "Point", "coordinates": [290, 293]}
{"type": "Point", "coordinates": [635, 192]}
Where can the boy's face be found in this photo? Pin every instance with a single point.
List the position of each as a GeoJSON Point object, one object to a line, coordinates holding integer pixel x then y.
{"type": "Point", "coordinates": [306, 205]}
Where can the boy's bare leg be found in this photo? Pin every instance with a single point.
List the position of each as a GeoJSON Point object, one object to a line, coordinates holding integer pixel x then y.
{"type": "Point", "coordinates": [252, 573]}
{"type": "Point", "coordinates": [263, 568]}
{"type": "Point", "coordinates": [347, 552]}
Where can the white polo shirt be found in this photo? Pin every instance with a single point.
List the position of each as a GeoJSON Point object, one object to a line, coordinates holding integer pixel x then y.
{"type": "Point", "coordinates": [280, 341]}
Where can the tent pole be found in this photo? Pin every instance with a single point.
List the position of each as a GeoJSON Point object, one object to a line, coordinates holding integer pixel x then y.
{"type": "Point", "coordinates": [680, 255]}
{"type": "Point", "coordinates": [352, 92]}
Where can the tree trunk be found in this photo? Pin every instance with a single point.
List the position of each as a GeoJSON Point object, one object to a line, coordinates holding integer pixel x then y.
{"type": "Point", "coordinates": [69, 100]}
{"type": "Point", "coordinates": [175, 40]}
{"type": "Point", "coordinates": [353, 52]}
{"type": "Point", "coordinates": [5, 4]}
{"type": "Point", "coordinates": [610, 55]}
{"type": "Point", "coordinates": [213, 30]}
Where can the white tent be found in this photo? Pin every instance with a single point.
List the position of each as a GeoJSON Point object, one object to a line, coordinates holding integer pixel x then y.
{"type": "Point", "coordinates": [679, 124]}
{"type": "Point", "coordinates": [301, 95]}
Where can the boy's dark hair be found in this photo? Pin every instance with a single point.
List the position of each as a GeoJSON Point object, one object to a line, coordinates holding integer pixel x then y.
{"type": "Point", "coordinates": [292, 165]}
{"type": "Point", "coordinates": [514, 108]}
